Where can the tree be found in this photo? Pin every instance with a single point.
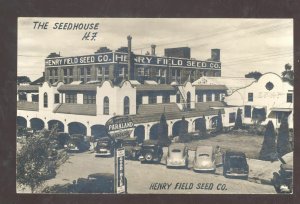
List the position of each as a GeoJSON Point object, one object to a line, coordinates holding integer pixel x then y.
{"type": "Point", "coordinates": [219, 127]}
{"type": "Point", "coordinates": [203, 131]}
{"type": "Point", "coordinates": [238, 121]}
{"type": "Point", "coordinates": [268, 150]}
{"type": "Point", "coordinates": [288, 74]}
{"type": "Point", "coordinates": [163, 138]}
{"type": "Point", "coordinates": [183, 127]}
{"type": "Point", "coordinates": [283, 143]}
{"type": "Point", "coordinates": [23, 79]}
{"type": "Point", "coordinates": [256, 75]}
{"type": "Point", "coordinates": [37, 160]}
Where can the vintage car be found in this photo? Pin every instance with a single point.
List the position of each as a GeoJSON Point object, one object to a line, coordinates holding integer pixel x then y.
{"type": "Point", "coordinates": [177, 155]}
{"type": "Point", "coordinates": [95, 183]}
{"type": "Point", "coordinates": [204, 159]}
{"type": "Point", "coordinates": [77, 143]}
{"type": "Point", "coordinates": [283, 179]}
{"type": "Point", "coordinates": [235, 165]}
{"type": "Point", "coordinates": [104, 147]}
{"type": "Point", "coordinates": [132, 148]}
{"type": "Point", "coordinates": [62, 139]}
{"type": "Point", "coordinates": [151, 151]}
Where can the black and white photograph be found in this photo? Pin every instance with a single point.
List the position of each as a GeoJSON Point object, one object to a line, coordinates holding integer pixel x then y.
{"type": "Point", "coordinates": [154, 105]}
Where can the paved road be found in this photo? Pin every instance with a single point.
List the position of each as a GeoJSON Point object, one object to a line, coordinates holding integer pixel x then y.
{"type": "Point", "coordinates": [156, 178]}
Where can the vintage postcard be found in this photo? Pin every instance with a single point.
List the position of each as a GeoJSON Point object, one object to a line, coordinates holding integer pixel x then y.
{"type": "Point", "coordinates": [155, 106]}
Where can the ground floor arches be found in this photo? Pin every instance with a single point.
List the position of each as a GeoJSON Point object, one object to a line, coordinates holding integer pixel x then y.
{"type": "Point", "coordinates": [37, 124]}
{"type": "Point", "coordinates": [21, 121]}
{"type": "Point", "coordinates": [98, 131]}
{"type": "Point", "coordinates": [60, 125]}
{"type": "Point", "coordinates": [139, 133]}
{"type": "Point", "coordinates": [154, 132]}
{"type": "Point", "coordinates": [180, 126]}
{"type": "Point", "coordinates": [77, 128]}
{"type": "Point", "coordinates": [198, 123]}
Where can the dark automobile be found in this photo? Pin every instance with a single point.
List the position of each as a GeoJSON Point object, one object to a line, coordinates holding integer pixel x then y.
{"type": "Point", "coordinates": [151, 151]}
{"type": "Point", "coordinates": [62, 139]}
{"type": "Point", "coordinates": [235, 165]}
{"type": "Point", "coordinates": [132, 148]}
{"type": "Point", "coordinates": [77, 143]}
{"type": "Point", "coordinates": [104, 147]}
{"type": "Point", "coordinates": [283, 180]}
{"type": "Point", "coordinates": [95, 183]}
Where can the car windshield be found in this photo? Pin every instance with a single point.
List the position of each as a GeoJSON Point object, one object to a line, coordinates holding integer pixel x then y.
{"type": "Point", "coordinates": [128, 142]}
{"type": "Point", "coordinates": [176, 150]}
{"type": "Point", "coordinates": [237, 162]}
{"type": "Point", "coordinates": [203, 155]}
{"type": "Point", "coordinates": [103, 143]}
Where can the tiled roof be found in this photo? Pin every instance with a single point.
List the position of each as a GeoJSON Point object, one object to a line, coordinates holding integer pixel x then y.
{"type": "Point", "coordinates": [28, 88]}
{"type": "Point", "coordinates": [202, 106]}
{"type": "Point", "coordinates": [79, 87]}
{"type": "Point", "coordinates": [145, 109]}
{"type": "Point", "coordinates": [211, 87]}
{"type": "Point", "coordinates": [30, 106]}
{"type": "Point", "coordinates": [152, 87]}
{"type": "Point", "coordinates": [77, 109]}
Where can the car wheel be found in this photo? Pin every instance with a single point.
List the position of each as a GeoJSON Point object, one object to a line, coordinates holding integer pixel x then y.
{"type": "Point", "coordinates": [148, 157]}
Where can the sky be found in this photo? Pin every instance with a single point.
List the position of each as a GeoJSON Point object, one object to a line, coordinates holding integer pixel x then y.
{"type": "Point", "coordinates": [247, 45]}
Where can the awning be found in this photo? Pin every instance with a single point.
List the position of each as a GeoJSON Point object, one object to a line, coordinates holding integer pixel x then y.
{"type": "Point", "coordinates": [281, 109]}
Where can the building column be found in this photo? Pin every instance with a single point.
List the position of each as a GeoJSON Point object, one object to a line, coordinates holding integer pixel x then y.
{"type": "Point", "coordinates": [28, 123]}
{"type": "Point", "coordinates": [88, 130]}
{"type": "Point", "coordinates": [147, 131]}
{"type": "Point", "coordinates": [190, 125]}
{"type": "Point", "coordinates": [170, 125]}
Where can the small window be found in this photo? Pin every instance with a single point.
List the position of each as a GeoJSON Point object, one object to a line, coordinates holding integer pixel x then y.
{"type": "Point", "coordinates": [45, 100]}
{"type": "Point", "coordinates": [139, 99]}
{"type": "Point", "coordinates": [166, 98]}
{"type": "Point", "coordinates": [140, 71]}
{"type": "Point", "coordinates": [178, 98]}
{"type": "Point", "coordinates": [126, 105]}
{"type": "Point", "coordinates": [106, 105]}
{"type": "Point", "coordinates": [56, 98]}
{"type": "Point", "coordinates": [231, 117]}
{"type": "Point", "coordinates": [88, 71]}
{"type": "Point", "coordinates": [250, 97]}
{"type": "Point", "coordinates": [65, 72]}
{"type": "Point", "coordinates": [81, 71]}
{"type": "Point", "coordinates": [152, 98]}
{"type": "Point", "coordinates": [71, 98]}
{"type": "Point", "coordinates": [209, 96]}
{"type": "Point", "coordinates": [289, 98]}
{"type": "Point", "coordinates": [89, 98]}
{"type": "Point", "coordinates": [217, 96]}
{"type": "Point", "coordinates": [55, 72]}
{"type": "Point", "coordinates": [200, 97]}
{"type": "Point", "coordinates": [247, 112]}
{"type": "Point", "coordinates": [99, 71]}
{"type": "Point", "coordinates": [71, 72]}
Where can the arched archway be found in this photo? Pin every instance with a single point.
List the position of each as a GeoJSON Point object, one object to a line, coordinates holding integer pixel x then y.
{"type": "Point", "coordinates": [154, 132]}
{"type": "Point", "coordinates": [139, 133]}
{"type": "Point", "coordinates": [198, 123]}
{"type": "Point", "coordinates": [21, 121]}
{"type": "Point", "coordinates": [76, 128]}
{"type": "Point", "coordinates": [178, 125]}
{"type": "Point", "coordinates": [188, 100]}
{"type": "Point", "coordinates": [37, 124]}
{"type": "Point", "coordinates": [213, 122]}
{"type": "Point", "coordinates": [60, 125]}
{"type": "Point", "coordinates": [98, 131]}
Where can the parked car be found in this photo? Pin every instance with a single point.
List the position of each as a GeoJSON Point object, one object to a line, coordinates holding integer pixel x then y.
{"type": "Point", "coordinates": [104, 147]}
{"type": "Point", "coordinates": [177, 155]}
{"type": "Point", "coordinates": [283, 179]}
{"type": "Point", "coordinates": [204, 159]}
{"type": "Point", "coordinates": [151, 151]}
{"type": "Point", "coordinates": [132, 148]}
{"type": "Point", "coordinates": [62, 139]}
{"type": "Point", "coordinates": [95, 183]}
{"type": "Point", "coordinates": [77, 143]}
{"type": "Point", "coordinates": [235, 165]}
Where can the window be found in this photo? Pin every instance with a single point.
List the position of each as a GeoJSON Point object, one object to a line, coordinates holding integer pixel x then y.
{"type": "Point", "coordinates": [152, 98]}
{"type": "Point", "coordinates": [166, 98]}
{"type": "Point", "coordinates": [45, 100]}
{"type": "Point", "coordinates": [65, 72]}
{"type": "Point", "coordinates": [146, 71]}
{"type": "Point", "coordinates": [217, 96]}
{"type": "Point", "coordinates": [89, 98]}
{"type": "Point", "coordinates": [163, 73]}
{"type": "Point", "coordinates": [208, 96]}
{"type": "Point", "coordinates": [178, 98]}
{"type": "Point", "coordinates": [106, 106]}
{"type": "Point", "coordinates": [71, 72]}
{"type": "Point", "coordinates": [88, 71]}
{"type": "Point", "coordinates": [173, 72]}
{"type": "Point", "coordinates": [70, 80]}
{"type": "Point", "coordinates": [71, 98]}
{"type": "Point", "coordinates": [121, 71]}
{"type": "Point", "coordinates": [247, 112]}
{"type": "Point", "coordinates": [51, 72]}
{"type": "Point", "coordinates": [55, 72]}
{"type": "Point", "coordinates": [139, 99]}
{"type": "Point", "coordinates": [106, 73]}
{"type": "Point", "coordinates": [51, 81]}
{"type": "Point", "coordinates": [140, 71]}
{"type": "Point", "coordinates": [200, 97]}
{"type": "Point", "coordinates": [250, 97]}
{"type": "Point", "coordinates": [231, 117]}
{"type": "Point", "coordinates": [81, 71]}
{"type": "Point", "coordinates": [289, 98]}
{"type": "Point", "coordinates": [158, 72]}
{"type": "Point", "coordinates": [126, 105]}
{"type": "Point", "coordinates": [99, 71]}
{"type": "Point", "coordinates": [56, 98]}
{"type": "Point", "coordinates": [35, 98]}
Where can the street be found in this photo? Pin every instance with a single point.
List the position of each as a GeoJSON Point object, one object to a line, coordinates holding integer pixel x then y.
{"type": "Point", "coordinates": [156, 178]}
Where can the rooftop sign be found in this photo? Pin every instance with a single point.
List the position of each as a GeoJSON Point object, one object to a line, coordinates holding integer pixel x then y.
{"type": "Point", "coordinates": [121, 58]}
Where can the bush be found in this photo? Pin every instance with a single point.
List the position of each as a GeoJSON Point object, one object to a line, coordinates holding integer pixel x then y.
{"type": "Point", "coordinates": [268, 151]}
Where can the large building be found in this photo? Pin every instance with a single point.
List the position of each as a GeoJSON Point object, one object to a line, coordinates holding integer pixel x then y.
{"type": "Point", "coordinates": [123, 64]}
